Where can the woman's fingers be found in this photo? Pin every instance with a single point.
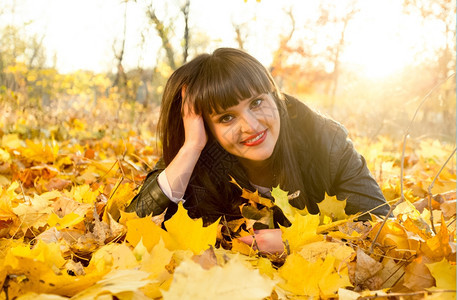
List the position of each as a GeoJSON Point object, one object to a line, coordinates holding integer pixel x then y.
{"type": "Point", "coordinates": [194, 125]}
{"type": "Point", "coordinates": [247, 239]}
{"type": "Point", "coordinates": [267, 240]}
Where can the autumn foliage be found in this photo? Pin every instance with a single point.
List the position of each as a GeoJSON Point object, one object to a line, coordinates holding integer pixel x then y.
{"type": "Point", "coordinates": [64, 232]}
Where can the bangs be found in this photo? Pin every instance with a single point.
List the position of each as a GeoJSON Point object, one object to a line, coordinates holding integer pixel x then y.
{"type": "Point", "coordinates": [223, 82]}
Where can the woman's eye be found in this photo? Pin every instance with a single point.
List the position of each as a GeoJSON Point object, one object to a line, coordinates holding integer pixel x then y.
{"type": "Point", "coordinates": [256, 103]}
{"type": "Point", "coordinates": [225, 119]}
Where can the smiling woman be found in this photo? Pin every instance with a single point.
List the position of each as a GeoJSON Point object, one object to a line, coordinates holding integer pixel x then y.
{"type": "Point", "coordinates": [223, 116]}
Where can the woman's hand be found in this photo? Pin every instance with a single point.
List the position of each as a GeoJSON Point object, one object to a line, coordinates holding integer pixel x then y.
{"type": "Point", "coordinates": [194, 126]}
{"type": "Point", "coordinates": [266, 241]}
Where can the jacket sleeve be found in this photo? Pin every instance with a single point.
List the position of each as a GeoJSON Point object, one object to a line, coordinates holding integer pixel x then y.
{"type": "Point", "coordinates": [150, 199]}
{"type": "Point", "coordinates": [352, 180]}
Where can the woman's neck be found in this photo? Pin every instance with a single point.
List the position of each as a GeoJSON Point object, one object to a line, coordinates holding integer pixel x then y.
{"type": "Point", "coordinates": [259, 172]}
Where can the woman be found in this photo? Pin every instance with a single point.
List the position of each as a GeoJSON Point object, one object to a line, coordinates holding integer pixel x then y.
{"type": "Point", "coordinates": [222, 115]}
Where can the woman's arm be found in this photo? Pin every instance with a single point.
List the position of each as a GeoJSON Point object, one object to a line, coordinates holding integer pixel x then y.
{"type": "Point", "coordinates": [181, 167]}
{"type": "Point", "coordinates": [151, 199]}
{"type": "Point", "coordinates": [352, 179]}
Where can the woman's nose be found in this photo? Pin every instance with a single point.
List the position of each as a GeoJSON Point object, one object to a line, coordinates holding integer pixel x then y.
{"type": "Point", "coordinates": [249, 122]}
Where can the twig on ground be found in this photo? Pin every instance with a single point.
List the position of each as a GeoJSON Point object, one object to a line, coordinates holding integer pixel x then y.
{"type": "Point", "coordinates": [429, 190]}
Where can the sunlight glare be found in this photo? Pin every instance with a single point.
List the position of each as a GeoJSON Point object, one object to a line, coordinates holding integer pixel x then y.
{"type": "Point", "coordinates": [381, 47]}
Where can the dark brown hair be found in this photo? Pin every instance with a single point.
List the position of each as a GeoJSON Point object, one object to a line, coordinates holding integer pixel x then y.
{"type": "Point", "coordinates": [215, 82]}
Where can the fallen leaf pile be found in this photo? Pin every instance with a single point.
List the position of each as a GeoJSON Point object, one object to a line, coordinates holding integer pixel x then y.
{"type": "Point", "coordinates": [64, 232]}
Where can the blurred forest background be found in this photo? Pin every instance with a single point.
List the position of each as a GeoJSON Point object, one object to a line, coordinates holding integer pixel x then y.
{"type": "Point", "coordinates": [311, 53]}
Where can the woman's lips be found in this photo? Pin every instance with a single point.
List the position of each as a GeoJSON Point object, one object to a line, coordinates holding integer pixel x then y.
{"type": "Point", "coordinates": [256, 139]}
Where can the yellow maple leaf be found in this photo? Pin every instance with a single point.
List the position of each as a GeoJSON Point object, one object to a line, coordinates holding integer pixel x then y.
{"type": "Point", "coordinates": [302, 231]}
{"type": "Point", "coordinates": [106, 168]}
{"type": "Point", "coordinates": [145, 230]}
{"type": "Point", "coordinates": [68, 220]}
{"type": "Point", "coordinates": [84, 193]}
{"type": "Point", "coordinates": [282, 201]}
{"type": "Point", "coordinates": [35, 296]}
{"type": "Point", "coordinates": [8, 218]}
{"type": "Point", "coordinates": [4, 156]}
{"type": "Point", "coordinates": [47, 253]}
{"type": "Point", "coordinates": [333, 208]}
{"type": "Point", "coordinates": [319, 278]}
{"type": "Point", "coordinates": [444, 274]}
{"type": "Point", "coordinates": [110, 257]}
{"type": "Point", "coordinates": [11, 141]}
{"type": "Point", "coordinates": [35, 212]}
{"type": "Point", "coordinates": [40, 271]}
{"type": "Point", "coordinates": [190, 234]}
{"type": "Point", "coordinates": [221, 283]}
{"type": "Point", "coordinates": [254, 197]}
{"type": "Point", "coordinates": [243, 248]}
{"type": "Point", "coordinates": [154, 264]}
{"type": "Point", "coordinates": [265, 267]}
{"type": "Point", "coordinates": [40, 152]}
{"type": "Point", "coordinates": [127, 216]}
{"type": "Point", "coordinates": [120, 197]}
{"type": "Point", "coordinates": [118, 282]}
{"type": "Point", "coordinates": [38, 277]}
{"type": "Point", "coordinates": [437, 247]}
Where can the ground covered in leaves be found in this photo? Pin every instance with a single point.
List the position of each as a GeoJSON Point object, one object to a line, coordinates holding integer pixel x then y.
{"type": "Point", "coordinates": [64, 233]}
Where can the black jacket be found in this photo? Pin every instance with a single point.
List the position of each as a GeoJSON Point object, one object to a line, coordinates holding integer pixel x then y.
{"type": "Point", "coordinates": [335, 168]}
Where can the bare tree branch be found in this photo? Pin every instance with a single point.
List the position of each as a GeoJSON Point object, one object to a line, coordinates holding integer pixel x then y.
{"type": "Point", "coordinates": [164, 36]}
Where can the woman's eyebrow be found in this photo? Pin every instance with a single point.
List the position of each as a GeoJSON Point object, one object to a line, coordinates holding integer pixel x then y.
{"type": "Point", "coordinates": [215, 114]}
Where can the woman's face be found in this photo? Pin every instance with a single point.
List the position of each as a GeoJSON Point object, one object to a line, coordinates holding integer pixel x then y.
{"type": "Point", "coordinates": [248, 130]}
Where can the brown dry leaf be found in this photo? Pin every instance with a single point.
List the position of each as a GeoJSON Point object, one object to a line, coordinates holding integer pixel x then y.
{"type": "Point", "coordinates": [263, 216]}
{"type": "Point", "coordinates": [366, 267]}
{"type": "Point", "coordinates": [207, 259]}
{"type": "Point", "coordinates": [65, 205]}
{"type": "Point", "coordinates": [321, 249]}
{"type": "Point", "coordinates": [57, 184]}
{"type": "Point", "coordinates": [448, 208]}
{"type": "Point", "coordinates": [116, 230]}
{"type": "Point", "coordinates": [417, 275]}
{"type": "Point", "coordinates": [391, 272]}
{"type": "Point", "coordinates": [76, 268]}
